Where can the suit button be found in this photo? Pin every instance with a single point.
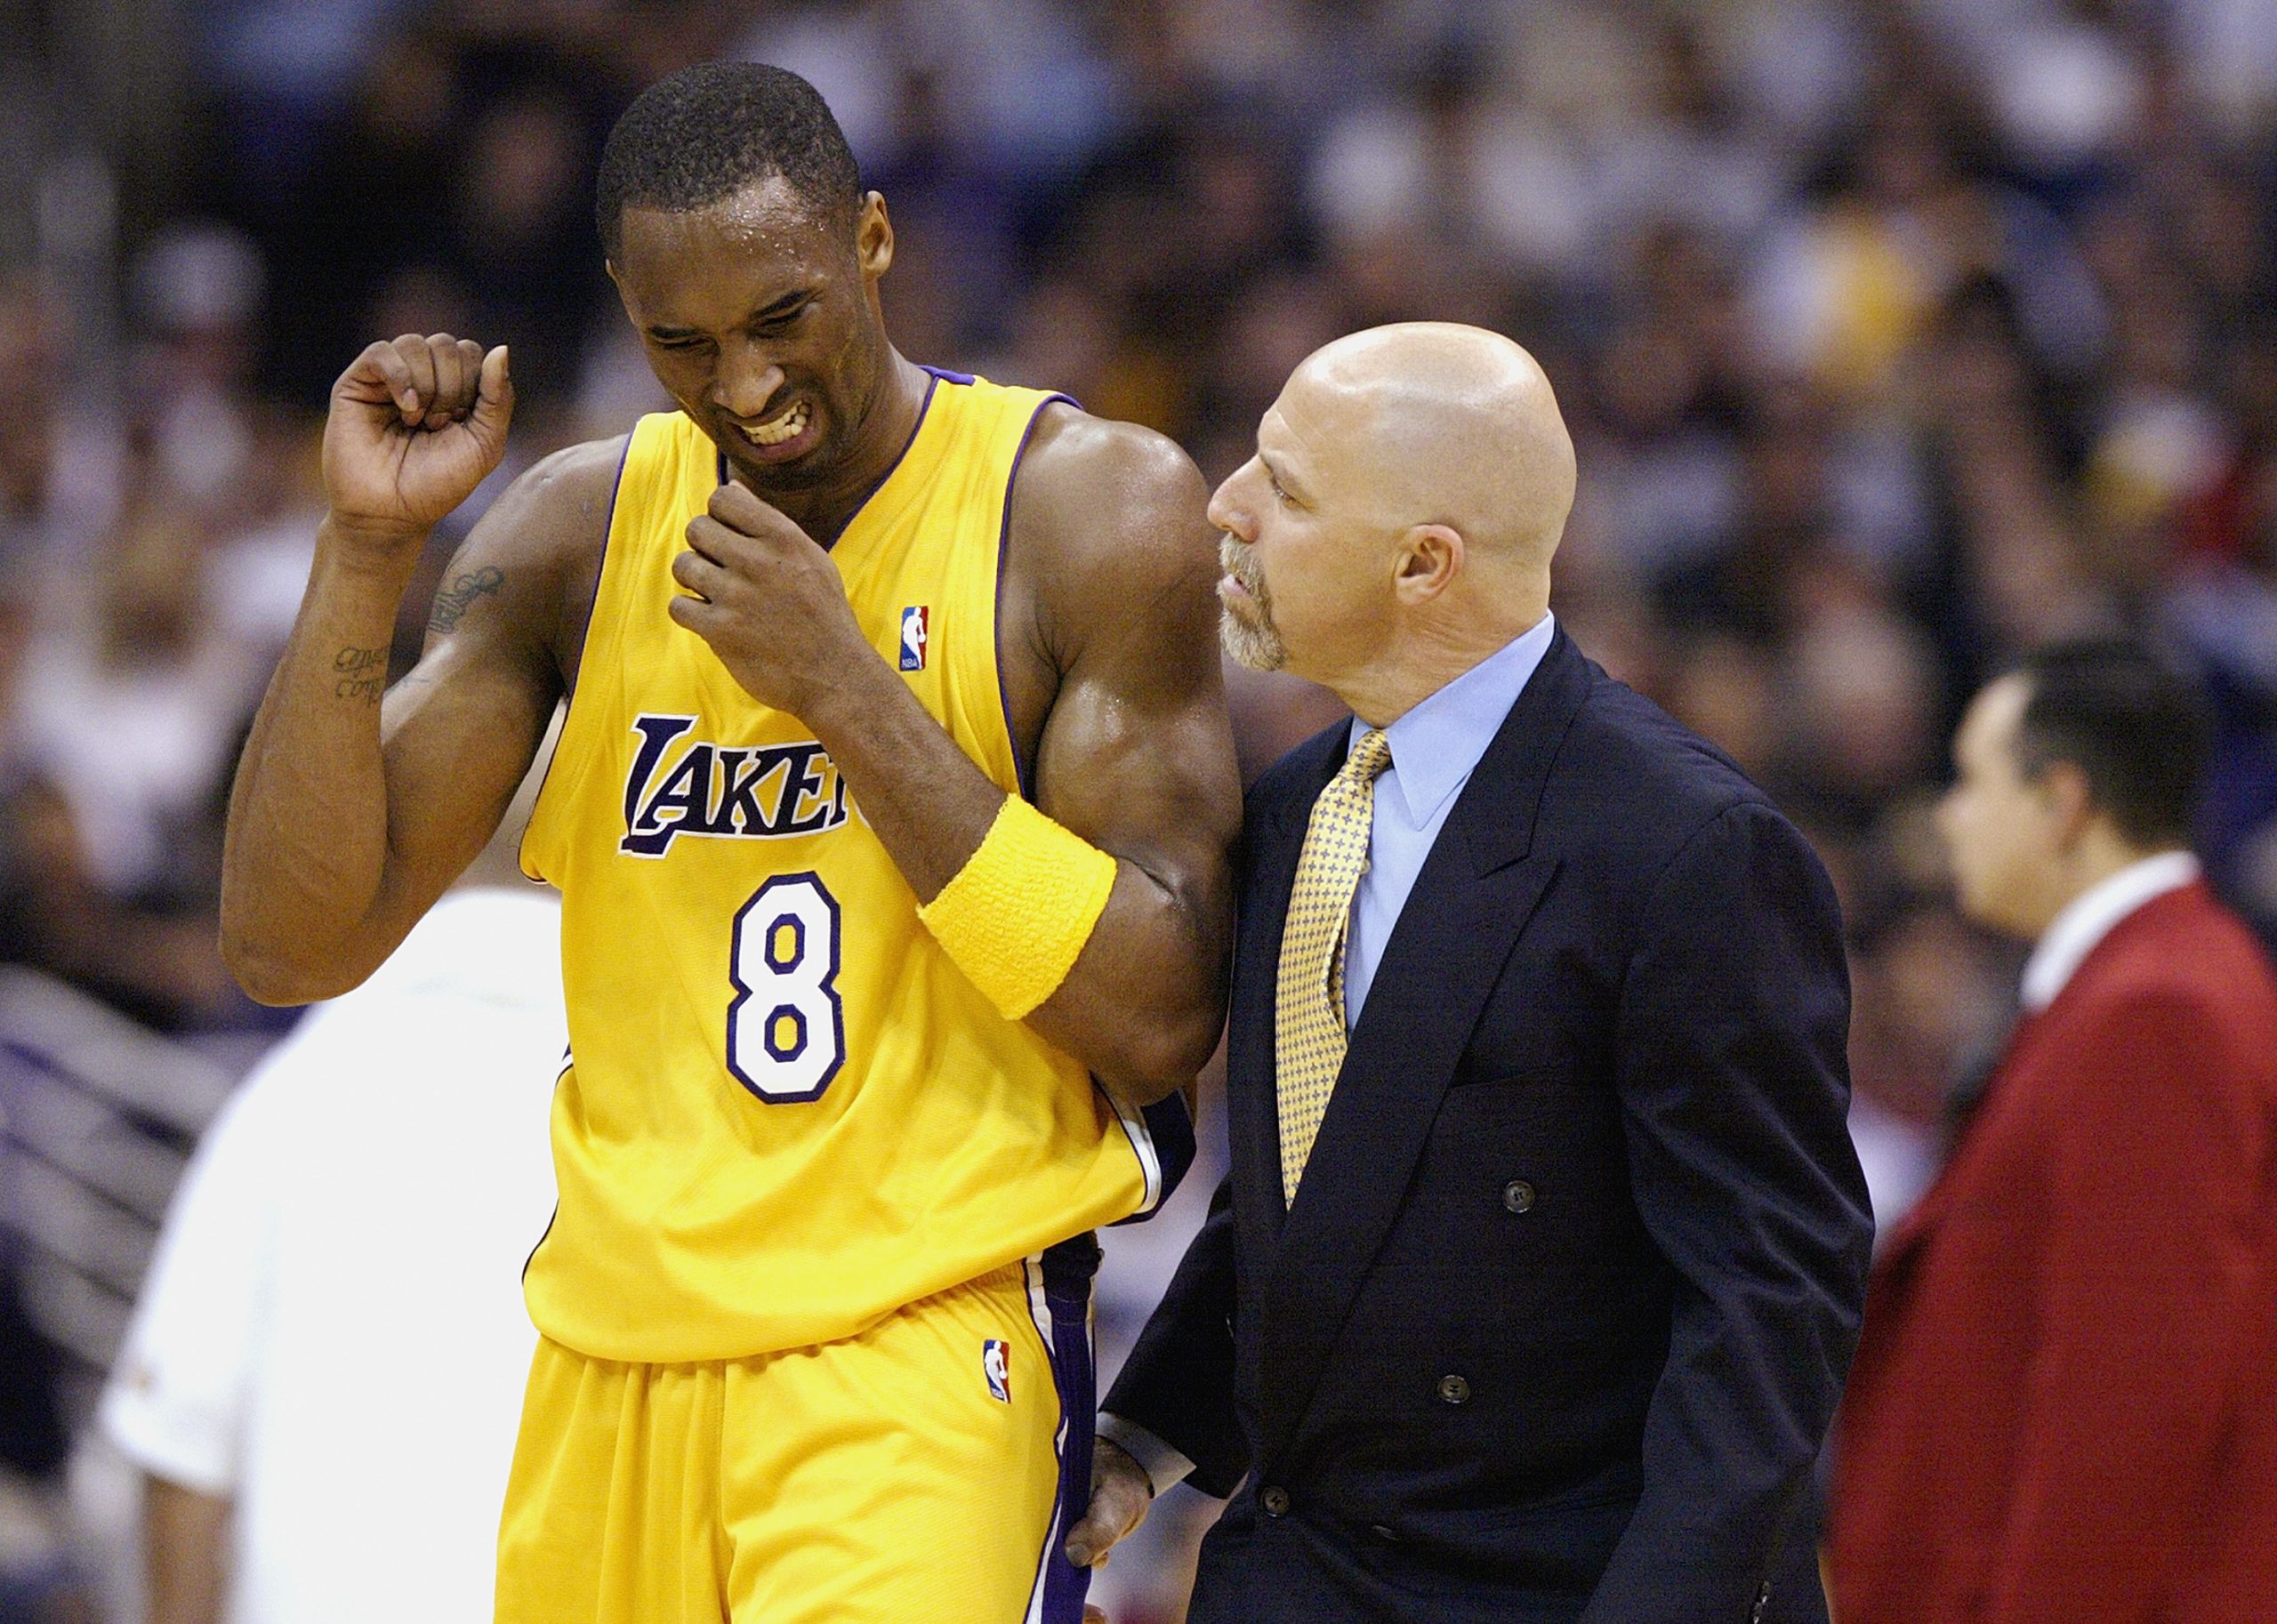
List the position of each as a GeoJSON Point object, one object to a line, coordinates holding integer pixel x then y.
{"type": "Point", "coordinates": [1453, 1390]}
{"type": "Point", "coordinates": [1276, 1501]}
{"type": "Point", "coordinates": [1517, 1195]}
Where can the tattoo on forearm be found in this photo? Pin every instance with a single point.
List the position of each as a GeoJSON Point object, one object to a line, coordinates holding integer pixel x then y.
{"type": "Point", "coordinates": [363, 674]}
{"type": "Point", "coordinates": [456, 598]}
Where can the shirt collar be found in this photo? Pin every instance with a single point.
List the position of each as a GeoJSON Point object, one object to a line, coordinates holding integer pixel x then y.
{"type": "Point", "coordinates": [2091, 916]}
{"type": "Point", "coordinates": [1435, 745]}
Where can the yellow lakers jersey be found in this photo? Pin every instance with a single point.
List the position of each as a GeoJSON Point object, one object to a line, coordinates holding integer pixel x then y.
{"type": "Point", "coordinates": [786, 1113]}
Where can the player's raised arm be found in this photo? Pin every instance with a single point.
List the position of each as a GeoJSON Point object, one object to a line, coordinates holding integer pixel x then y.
{"type": "Point", "coordinates": [348, 816]}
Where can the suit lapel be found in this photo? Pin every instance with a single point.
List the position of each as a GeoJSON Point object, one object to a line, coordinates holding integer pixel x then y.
{"type": "Point", "coordinates": [1476, 890]}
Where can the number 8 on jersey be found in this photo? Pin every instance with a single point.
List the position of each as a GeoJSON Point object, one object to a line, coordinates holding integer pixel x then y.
{"type": "Point", "coordinates": [786, 1027]}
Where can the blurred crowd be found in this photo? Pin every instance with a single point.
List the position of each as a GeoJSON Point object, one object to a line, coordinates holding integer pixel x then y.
{"type": "Point", "coordinates": [1896, 335]}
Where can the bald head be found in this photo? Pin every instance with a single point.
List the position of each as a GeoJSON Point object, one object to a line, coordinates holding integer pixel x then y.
{"type": "Point", "coordinates": [1397, 524]}
{"type": "Point", "coordinates": [1434, 424]}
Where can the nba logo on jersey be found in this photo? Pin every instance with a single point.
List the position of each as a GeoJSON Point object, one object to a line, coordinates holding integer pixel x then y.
{"type": "Point", "coordinates": [997, 1364]}
{"type": "Point", "coordinates": [916, 630]}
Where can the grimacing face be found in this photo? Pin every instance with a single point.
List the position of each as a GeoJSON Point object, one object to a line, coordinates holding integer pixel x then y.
{"type": "Point", "coordinates": [2002, 828]}
{"type": "Point", "coordinates": [760, 316]}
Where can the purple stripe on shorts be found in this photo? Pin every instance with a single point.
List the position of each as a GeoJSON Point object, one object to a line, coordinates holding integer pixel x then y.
{"type": "Point", "coordinates": [1065, 1585]}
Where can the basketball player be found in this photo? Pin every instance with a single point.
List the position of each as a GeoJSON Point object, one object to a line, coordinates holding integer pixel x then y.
{"type": "Point", "coordinates": [891, 811]}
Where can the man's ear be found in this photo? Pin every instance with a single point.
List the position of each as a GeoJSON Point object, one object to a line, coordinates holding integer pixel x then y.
{"type": "Point", "coordinates": [1430, 558]}
{"type": "Point", "coordinates": [2070, 798]}
{"type": "Point", "coordinates": [873, 238]}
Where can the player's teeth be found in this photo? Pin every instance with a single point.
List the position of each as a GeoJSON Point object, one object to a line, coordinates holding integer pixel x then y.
{"type": "Point", "coordinates": [780, 428]}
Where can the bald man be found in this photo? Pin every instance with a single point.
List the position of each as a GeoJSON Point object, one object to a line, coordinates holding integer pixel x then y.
{"type": "Point", "coordinates": [1531, 1291]}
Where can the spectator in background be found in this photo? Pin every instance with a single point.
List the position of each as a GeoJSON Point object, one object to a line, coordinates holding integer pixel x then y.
{"type": "Point", "coordinates": [56, 913]}
{"type": "Point", "coordinates": [2061, 1409]}
{"type": "Point", "coordinates": [133, 711]}
{"type": "Point", "coordinates": [324, 1374]}
{"type": "Point", "coordinates": [59, 467]}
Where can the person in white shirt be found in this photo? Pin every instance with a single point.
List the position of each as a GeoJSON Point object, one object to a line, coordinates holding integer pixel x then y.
{"type": "Point", "coordinates": [323, 1377]}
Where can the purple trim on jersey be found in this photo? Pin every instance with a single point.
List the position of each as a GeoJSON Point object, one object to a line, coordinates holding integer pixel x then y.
{"type": "Point", "coordinates": [1067, 1294]}
{"type": "Point", "coordinates": [600, 573]}
{"type": "Point", "coordinates": [552, 1217]}
{"type": "Point", "coordinates": [945, 374]}
{"type": "Point", "coordinates": [923, 407]}
{"type": "Point", "coordinates": [570, 699]}
{"type": "Point", "coordinates": [1171, 1127]}
{"type": "Point", "coordinates": [1023, 771]}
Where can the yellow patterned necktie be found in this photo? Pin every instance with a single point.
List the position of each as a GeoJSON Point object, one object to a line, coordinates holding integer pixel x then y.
{"type": "Point", "coordinates": [1308, 1006]}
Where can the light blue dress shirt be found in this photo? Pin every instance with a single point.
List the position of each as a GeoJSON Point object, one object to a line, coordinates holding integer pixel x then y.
{"type": "Point", "coordinates": [1434, 748]}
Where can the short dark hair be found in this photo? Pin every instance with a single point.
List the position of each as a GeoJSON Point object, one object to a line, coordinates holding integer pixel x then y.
{"type": "Point", "coordinates": [2138, 731]}
{"type": "Point", "coordinates": [707, 132]}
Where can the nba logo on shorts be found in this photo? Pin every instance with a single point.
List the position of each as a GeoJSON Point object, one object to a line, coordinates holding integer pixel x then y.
{"type": "Point", "coordinates": [915, 628]}
{"type": "Point", "coordinates": [997, 1364]}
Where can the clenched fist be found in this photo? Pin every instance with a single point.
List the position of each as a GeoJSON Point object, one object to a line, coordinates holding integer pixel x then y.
{"type": "Point", "coordinates": [415, 425]}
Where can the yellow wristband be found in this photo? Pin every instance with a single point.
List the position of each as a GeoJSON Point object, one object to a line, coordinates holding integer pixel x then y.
{"type": "Point", "coordinates": [1015, 916]}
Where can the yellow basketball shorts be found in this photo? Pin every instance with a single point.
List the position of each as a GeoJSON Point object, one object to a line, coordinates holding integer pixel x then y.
{"type": "Point", "coordinates": [923, 1469]}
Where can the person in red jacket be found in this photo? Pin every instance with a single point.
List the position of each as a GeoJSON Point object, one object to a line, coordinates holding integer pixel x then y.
{"type": "Point", "coordinates": [2064, 1408]}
